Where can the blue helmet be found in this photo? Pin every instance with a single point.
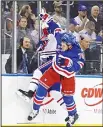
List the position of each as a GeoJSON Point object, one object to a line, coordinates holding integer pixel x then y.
{"type": "Point", "coordinates": [69, 39]}
{"type": "Point", "coordinates": [82, 8]}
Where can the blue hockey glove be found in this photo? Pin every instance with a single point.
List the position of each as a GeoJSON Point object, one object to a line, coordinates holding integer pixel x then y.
{"type": "Point", "coordinates": [60, 61]}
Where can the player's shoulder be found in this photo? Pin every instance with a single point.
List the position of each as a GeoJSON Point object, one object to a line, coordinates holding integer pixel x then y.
{"type": "Point", "coordinates": [76, 50]}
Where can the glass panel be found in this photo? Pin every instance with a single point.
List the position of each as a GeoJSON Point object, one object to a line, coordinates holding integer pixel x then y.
{"type": "Point", "coordinates": [26, 36]}
{"type": "Point", "coordinates": [93, 64]}
{"type": "Point", "coordinates": [7, 28]}
{"type": "Point", "coordinates": [30, 28]}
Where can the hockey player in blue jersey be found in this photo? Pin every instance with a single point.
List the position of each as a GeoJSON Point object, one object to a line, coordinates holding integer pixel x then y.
{"type": "Point", "coordinates": [33, 86]}
{"type": "Point", "coordinates": [38, 72]}
{"type": "Point", "coordinates": [62, 69]}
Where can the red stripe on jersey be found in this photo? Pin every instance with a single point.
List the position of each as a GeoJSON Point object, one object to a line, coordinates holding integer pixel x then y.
{"type": "Point", "coordinates": [71, 108]}
{"type": "Point", "coordinates": [35, 79]}
{"type": "Point", "coordinates": [57, 29]}
{"type": "Point", "coordinates": [45, 64]}
{"type": "Point", "coordinates": [43, 84]}
{"type": "Point", "coordinates": [45, 16]}
{"type": "Point", "coordinates": [81, 64]}
{"type": "Point", "coordinates": [64, 71]}
{"type": "Point", "coordinates": [38, 102]}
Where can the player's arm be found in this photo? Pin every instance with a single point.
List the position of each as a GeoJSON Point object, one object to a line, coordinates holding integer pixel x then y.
{"type": "Point", "coordinates": [48, 27]}
{"type": "Point", "coordinates": [45, 66]}
{"type": "Point", "coordinates": [71, 65]}
{"type": "Point", "coordinates": [74, 65]}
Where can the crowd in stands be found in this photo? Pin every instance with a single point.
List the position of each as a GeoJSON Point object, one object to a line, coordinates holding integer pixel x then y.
{"type": "Point", "coordinates": [84, 19]}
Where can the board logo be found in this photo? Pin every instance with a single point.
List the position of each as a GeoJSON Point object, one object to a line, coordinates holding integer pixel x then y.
{"type": "Point", "coordinates": [93, 96]}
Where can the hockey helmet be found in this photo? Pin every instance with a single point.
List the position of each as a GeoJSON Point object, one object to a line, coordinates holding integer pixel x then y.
{"type": "Point", "coordinates": [69, 39]}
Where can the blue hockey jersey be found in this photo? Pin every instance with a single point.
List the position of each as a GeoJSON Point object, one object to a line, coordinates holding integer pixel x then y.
{"type": "Point", "coordinates": [73, 61]}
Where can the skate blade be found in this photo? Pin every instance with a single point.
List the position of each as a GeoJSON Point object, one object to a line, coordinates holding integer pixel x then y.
{"type": "Point", "coordinates": [23, 96]}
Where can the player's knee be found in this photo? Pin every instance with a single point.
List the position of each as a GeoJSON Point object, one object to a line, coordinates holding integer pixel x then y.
{"type": "Point", "coordinates": [36, 75]}
{"type": "Point", "coordinates": [41, 91]}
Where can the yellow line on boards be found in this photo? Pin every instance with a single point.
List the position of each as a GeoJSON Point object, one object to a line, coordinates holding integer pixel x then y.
{"type": "Point", "coordinates": [33, 125]}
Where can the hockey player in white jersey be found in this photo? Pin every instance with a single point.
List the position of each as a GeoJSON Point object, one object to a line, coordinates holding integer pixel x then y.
{"type": "Point", "coordinates": [47, 43]}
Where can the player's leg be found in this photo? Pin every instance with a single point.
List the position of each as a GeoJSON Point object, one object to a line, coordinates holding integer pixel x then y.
{"type": "Point", "coordinates": [68, 89]}
{"type": "Point", "coordinates": [27, 95]}
{"type": "Point", "coordinates": [46, 81]}
{"type": "Point", "coordinates": [55, 87]}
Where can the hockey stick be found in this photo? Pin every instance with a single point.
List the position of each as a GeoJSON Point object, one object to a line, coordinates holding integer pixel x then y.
{"type": "Point", "coordinates": [34, 55]}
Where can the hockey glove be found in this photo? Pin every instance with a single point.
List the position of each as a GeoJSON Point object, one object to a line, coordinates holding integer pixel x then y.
{"type": "Point", "coordinates": [60, 61]}
{"type": "Point", "coordinates": [42, 43]}
{"type": "Point", "coordinates": [64, 62]}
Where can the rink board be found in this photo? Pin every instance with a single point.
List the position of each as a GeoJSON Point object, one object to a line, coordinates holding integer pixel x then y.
{"type": "Point", "coordinates": [87, 97]}
{"type": "Point", "coordinates": [53, 125]}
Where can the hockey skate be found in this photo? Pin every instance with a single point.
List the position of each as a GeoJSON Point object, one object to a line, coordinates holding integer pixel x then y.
{"type": "Point", "coordinates": [25, 95]}
{"type": "Point", "coordinates": [33, 114]}
{"type": "Point", "coordinates": [72, 120]}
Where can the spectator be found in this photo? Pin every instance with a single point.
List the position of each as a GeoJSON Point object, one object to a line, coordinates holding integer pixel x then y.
{"type": "Point", "coordinates": [27, 12]}
{"type": "Point", "coordinates": [7, 27]}
{"type": "Point", "coordinates": [101, 35]}
{"type": "Point", "coordinates": [24, 62]}
{"type": "Point", "coordinates": [35, 32]}
{"type": "Point", "coordinates": [95, 18]}
{"type": "Point", "coordinates": [72, 28]}
{"type": "Point", "coordinates": [90, 30]}
{"type": "Point", "coordinates": [22, 31]}
{"type": "Point", "coordinates": [101, 13]}
{"type": "Point", "coordinates": [9, 18]}
{"type": "Point", "coordinates": [58, 18]}
{"type": "Point", "coordinates": [81, 19]}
